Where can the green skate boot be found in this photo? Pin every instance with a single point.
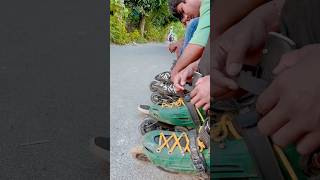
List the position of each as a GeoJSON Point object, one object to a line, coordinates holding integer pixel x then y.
{"type": "Point", "coordinates": [175, 116]}
{"type": "Point", "coordinates": [187, 153]}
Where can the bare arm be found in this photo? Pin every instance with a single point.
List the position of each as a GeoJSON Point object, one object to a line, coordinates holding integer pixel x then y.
{"type": "Point", "coordinates": [191, 54]}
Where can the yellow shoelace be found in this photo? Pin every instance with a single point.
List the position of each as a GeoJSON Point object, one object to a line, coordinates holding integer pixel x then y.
{"type": "Point", "coordinates": [177, 103]}
{"type": "Point", "coordinates": [222, 128]}
{"type": "Point", "coordinates": [164, 142]}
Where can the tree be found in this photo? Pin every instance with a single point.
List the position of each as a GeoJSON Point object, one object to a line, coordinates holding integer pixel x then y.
{"type": "Point", "coordinates": [144, 7]}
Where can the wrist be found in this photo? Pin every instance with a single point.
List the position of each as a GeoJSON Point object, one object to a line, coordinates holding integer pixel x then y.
{"type": "Point", "coordinates": [194, 67]}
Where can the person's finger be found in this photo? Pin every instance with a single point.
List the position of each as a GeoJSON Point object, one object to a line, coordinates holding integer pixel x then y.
{"type": "Point", "coordinates": [199, 81]}
{"type": "Point", "coordinates": [177, 84]}
{"type": "Point", "coordinates": [288, 134]}
{"type": "Point", "coordinates": [194, 92]}
{"type": "Point", "coordinates": [178, 89]}
{"type": "Point", "coordinates": [309, 143]}
{"type": "Point", "coordinates": [220, 80]}
{"type": "Point", "coordinates": [274, 120]}
{"type": "Point", "coordinates": [206, 106]}
{"type": "Point", "coordinates": [219, 55]}
{"type": "Point", "coordinates": [235, 58]}
{"type": "Point", "coordinates": [173, 74]}
{"type": "Point", "coordinates": [268, 99]}
{"type": "Point", "coordinates": [200, 103]}
{"type": "Point", "coordinates": [185, 75]}
{"type": "Point", "coordinates": [287, 61]}
{"type": "Point", "coordinates": [203, 79]}
{"type": "Point", "coordinates": [183, 79]}
{"type": "Point", "coordinates": [195, 99]}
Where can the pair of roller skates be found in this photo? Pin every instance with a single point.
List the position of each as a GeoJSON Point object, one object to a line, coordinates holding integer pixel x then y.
{"type": "Point", "coordinates": [172, 113]}
{"type": "Point", "coordinates": [176, 138]}
{"type": "Point", "coordinates": [187, 149]}
{"type": "Point", "coordinates": [173, 142]}
{"type": "Point", "coordinates": [175, 135]}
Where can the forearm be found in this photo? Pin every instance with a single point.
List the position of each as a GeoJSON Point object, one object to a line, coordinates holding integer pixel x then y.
{"type": "Point", "coordinates": [191, 54]}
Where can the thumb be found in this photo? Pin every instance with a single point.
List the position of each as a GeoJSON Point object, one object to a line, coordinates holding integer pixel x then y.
{"type": "Point", "coordinates": [176, 83]}
{"type": "Point", "coordinates": [186, 73]}
{"type": "Point", "coordinates": [183, 78]}
{"type": "Point", "coordinates": [235, 59]}
{"type": "Point", "coordinates": [199, 81]}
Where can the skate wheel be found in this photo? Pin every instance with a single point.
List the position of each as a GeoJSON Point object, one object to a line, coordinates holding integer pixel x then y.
{"type": "Point", "coordinates": [156, 98]}
{"type": "Point", "coordinates": [148, 124]}
{"type": "Point", "coordinates": [153, 87]}
{"type": "Point", "coordinates": [163, 77]}
{"type": "Point", "coordinates": [137, 153]}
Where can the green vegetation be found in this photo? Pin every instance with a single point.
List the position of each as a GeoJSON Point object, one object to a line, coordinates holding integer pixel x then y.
{"type": "Point", "coordinates": [141, 21]}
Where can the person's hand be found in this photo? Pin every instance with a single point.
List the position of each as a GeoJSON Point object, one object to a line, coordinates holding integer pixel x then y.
{"type": "Point", "coordinates": [183, 76]}
{"type": "Point", "coordinates": [291, 104]}
{"type": "Point", "coordinates": [240, 44]}
{"type": "Point", "coordinates": [200, 95]}
{"type": "Point", "coordinates": [173, 47]}
{"type": "Point", "coordinates": [176, 47]}
{"type": "Point", "coordinates": [173, 74]}
{"type": "Point", "coordinates": [232, 50]}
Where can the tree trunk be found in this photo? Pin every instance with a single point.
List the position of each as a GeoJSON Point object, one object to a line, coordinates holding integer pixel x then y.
{"type": "Point", "coordinates": [142, 25]}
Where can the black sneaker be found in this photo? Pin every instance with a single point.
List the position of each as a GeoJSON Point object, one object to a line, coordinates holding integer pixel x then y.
{"type": "Point", "coordinates": [144, 108]}
{"type": "Point", "coordinates": [100, 146]}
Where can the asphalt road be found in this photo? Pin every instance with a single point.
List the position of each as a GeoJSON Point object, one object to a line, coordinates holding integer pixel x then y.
{"type": "Point", "coordinates": [132, 69]}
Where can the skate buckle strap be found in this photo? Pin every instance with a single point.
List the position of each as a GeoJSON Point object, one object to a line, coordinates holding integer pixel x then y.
{"type": "Point", "coordinates": [204, 131]}
{"type": "Point", "coordinates": [196, 156]}
{"type": "Point", "coordinates": [250, 83]}
{"type": "Point", "coordinates": [194, 113]}
{"type": "Point", "coordinates": [255, 82]}
{"type": "Point", "coordinates": [195, 77]}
